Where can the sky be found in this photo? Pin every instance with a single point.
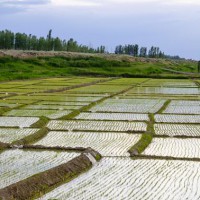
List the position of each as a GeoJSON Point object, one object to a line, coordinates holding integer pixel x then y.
{"type": "Point", "coordinates": [171, 25]}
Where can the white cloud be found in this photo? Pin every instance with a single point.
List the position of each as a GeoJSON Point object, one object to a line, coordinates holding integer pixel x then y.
{"type": "Point", "coordinates": [183, 2]}
{"type": "Point", "coordinates": [15, 6]}
{"type": "Point", "coordinates": [75, 3]}
{"type": "Point", "coordinates": [157, 1]}
{"type": "Point", "coordinates": [106, 2]}
{"type": "Point", "coordinates": [22, 2]}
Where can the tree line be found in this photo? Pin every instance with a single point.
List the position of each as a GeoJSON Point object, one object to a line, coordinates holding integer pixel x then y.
{"type": "Point", "coordinates": [153, 52]}
{"type": "Point", "coordinates": [22, 41]}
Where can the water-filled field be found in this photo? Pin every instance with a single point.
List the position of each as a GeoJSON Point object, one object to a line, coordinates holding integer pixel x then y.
{"type": "Point", "coordinates": [147, 131]}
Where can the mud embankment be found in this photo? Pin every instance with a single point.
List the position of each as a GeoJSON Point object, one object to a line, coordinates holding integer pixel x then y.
{"type": "Point", "coordinates": [39, 184]}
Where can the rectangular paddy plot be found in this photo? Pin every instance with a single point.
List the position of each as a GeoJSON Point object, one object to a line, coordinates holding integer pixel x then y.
{"type": "Point", "coordinates": [11, 135]}
{"type": "Point", "coordinates": [123, 178]}
{"type": "Point", "coordinates": [7, 86]}
{"type": "Point", "coordinates": [36, 88]}
{"type": "Point", "coordinates": [9, 105]}
{"type": "Point", "coordinates": [177, 130]}
{"type": "Point", "coordinates": [97, 126]}
{"type": "Point", "coordinates": [13, 101]}
{"type": "Point", "coordinates": [51, 107]}
{"type": "Point", "coordinates": [57, 98]}
{"type": "Point", "coordinates": [66, 93]}
{"type": "Point", "coordinates": [21, 90]}
{"type": "Point", "coordinates": [17, 165]}
{"type": "Point", "coordinates": [99, 88]}
{"type": "Point", "coordinates": [17, 121]}
{"type": "Point", "coordinates": [51, 114]}
{"type": "Point", "coordinates": [169, 83]}
{"type": "Point", "coordinates": [53, 82]}
{"type": "Point", "coordinates": [125, 81]}
{"type": "Point", "coordinates": [60, 103]}
{"type": "Point", "coordinates": [164, 91]}
{"type": "Point", "coordinates": [185, 103]}
{"type": "Point", "coordinates": [158, 96]}
{"type": "Point", "coordinates": [183, 107]}
{"type": "Point", "coordinates": [129, 105]}
{"type": "Point", "coordinates": [185, 119]}
{"type": "Point", "coordinates": [107, 144]}
{"type": "Point", "coordinates": [113, 116]}
{"type": "Point", "coordinates": [80, 80]}
{"type": "Point", "coordinates": [173, 147]}
{"type": "Point", "coordinates": [2, 95]}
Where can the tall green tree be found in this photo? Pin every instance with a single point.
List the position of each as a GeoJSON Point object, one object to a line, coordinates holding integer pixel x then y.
{"type": "Point", "coordinates": [6, 39]}
{"type": "Point", "coordinates": [143, 52]}
{"type": "Point", "coordinates": [199, 66]}
{"type": "Point", "coordinates": [21, 41]}
{"type": "Point", "coordinates": [42, 44]}
{"type": "Point", "coordinates": [136, 49]}
{"type": "Point", "coordinates": [72, 45]}
{"type": "Point", "coordinates": [57, 44]}
{"type": "Point", "coordinates": [50, 40]}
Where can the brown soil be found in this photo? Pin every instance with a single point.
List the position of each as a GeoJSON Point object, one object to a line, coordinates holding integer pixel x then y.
{"type": "Point", "coordinates": [3, 145]}
{"type": "Point", "coordinates": [58, 148]}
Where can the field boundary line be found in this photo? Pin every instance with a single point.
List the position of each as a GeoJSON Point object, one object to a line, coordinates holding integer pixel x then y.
{"type": "Point", "coordinates": [41, 183]}
{"type": "Point", "coordinates": [148, 157]}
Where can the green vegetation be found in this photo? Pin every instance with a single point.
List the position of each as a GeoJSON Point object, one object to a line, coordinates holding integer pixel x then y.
{"type": "Point", "coordinates": [199, 66]}
{"type": "Point", "coordinates": [33, 138]}
{"type": "Point", "coordinates": [4, 110]}
{"type": "Point", "coordinates": [154, 52]}
{"type": "Point", "coordinates": [37, 185]}
{"type": "Point", "coordinates": [141, 145]}
{"type": "Point", "coordinates": [72, 115]}
{"type": "Point", "coordinates": [145, 139]}
{"type": "Point", "coordinates": [41, 67]}
{"type": "Point", "coordinates": [22, 41]}
{"type": "Point", "coordinates": [43, 121]}
{"type": "Point", "coordinates": [164, 107]}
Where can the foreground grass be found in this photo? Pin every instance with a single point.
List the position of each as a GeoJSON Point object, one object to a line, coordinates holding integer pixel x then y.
{"type": "Point", "coordinates": [13, 68]}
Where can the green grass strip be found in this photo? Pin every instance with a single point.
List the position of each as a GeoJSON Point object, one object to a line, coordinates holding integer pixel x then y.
{"type": "Point", "coordinates": [145, 139]}
{"type": "Point", "coordinates": [41, 123]}
{"type": "Point", "coordinates": [162, 109]}
{"type": "Point", "coordinates": [32, 138]}
{"type": "Point", "coordinates": [4, 110]}
{"type": "Point", "coordinates": [39, 184]}
{"type": "Point", "coordinates": [141, 145]}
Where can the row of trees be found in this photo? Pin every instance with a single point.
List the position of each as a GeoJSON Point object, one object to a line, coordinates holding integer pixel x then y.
{"type": "Point", "coordinates": [154, 52]}
{"type": "Point", "coordinates": [22, 41]}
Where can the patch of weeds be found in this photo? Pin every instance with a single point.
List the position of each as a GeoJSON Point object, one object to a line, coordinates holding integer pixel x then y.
{"type": "Point", "coordinates": [33, 138]}
{"type": "Point", "coordinates": [141, 145]}
{"type": "Point", "coordinates": [72, 115]}
{"type": "Point", "coordinates": [150, 127]}
{"type": "Point", "coordinates": [37, 185]}
{"type": "Point", "coordinates": [145, 139]}
{"type": "Point", "coordinates": [4, 110]}
{"type": "Point", "coordinates": [41, 123]}
{"type": "Point", "coordinates": [162, 109]}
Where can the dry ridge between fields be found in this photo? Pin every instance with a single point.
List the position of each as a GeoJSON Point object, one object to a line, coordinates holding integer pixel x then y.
{"type": "Point", "coordinates": [39, 184]}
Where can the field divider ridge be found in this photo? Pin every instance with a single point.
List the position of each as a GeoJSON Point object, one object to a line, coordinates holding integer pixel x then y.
{"type": "Point", "coordinates": [41, 183]}
{"type": "Point", "coordinates": [145, 139]}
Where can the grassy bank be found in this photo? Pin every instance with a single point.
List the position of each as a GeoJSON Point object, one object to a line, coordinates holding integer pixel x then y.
{"type": "Point", "coordinates": [13, 68]}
